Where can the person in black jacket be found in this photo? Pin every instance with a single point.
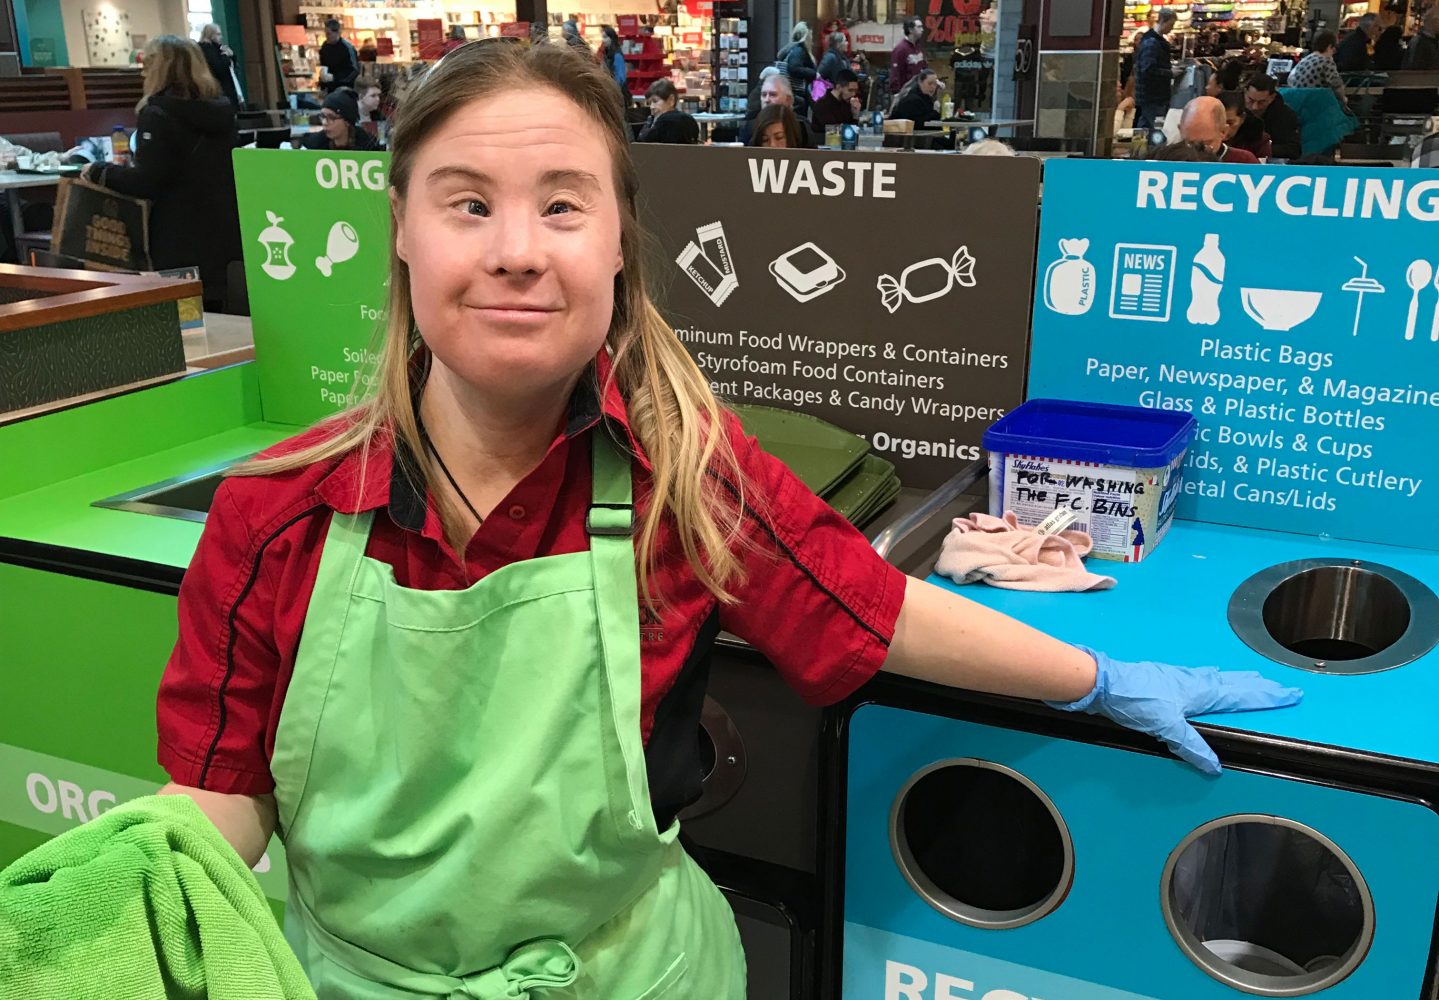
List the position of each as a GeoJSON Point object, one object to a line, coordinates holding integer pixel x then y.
{"type": "Point", "coordinates": [1389, 46]}
{"type": "Point", "coordinates": [666, 124]}
{"type": "Point", "coordinates": [1423, 51]}
{"type": "Point", "coordinates": [1263, 101]}
{"type": "Point", "coordinates": [835, 58]}
{"type": "Point", "coordinates": [916, 100]}
{"type": "Point", "coordinates": [183, 139]}
{"type": "Point", "coordinates": [221, 62]}
{"type": "Point", "coordinates": [339, 57]}
{"type": "Point", "coordinates": [1153, 73]}
{"type": "Point", "coordinates": [798, 65]}
{"type": "Point", "coordinates": [340, 119]}
{"type": "Point", "coordinates": [1353, 53]}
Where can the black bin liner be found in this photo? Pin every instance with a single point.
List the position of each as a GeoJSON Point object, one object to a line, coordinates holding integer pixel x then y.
{"type": "Point", "coordinates": [982, 837]}
{"type": "Point", "coordinates": [1268, 885]}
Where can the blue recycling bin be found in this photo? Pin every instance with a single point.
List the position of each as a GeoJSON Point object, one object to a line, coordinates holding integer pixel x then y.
{"type": "Point", "coordinates": [996, 849]}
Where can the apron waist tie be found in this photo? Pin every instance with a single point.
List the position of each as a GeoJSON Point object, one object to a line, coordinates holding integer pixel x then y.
{"type": "Point", "coordinates": [542, 964]}
{"type": "Point", "coordinates": [529, 972]}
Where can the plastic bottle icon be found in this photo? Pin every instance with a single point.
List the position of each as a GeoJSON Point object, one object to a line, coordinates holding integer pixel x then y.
{"type": "Point", "coordinates": [1206, 281]}
{"type": "Point", "coordinates": [342, 244]}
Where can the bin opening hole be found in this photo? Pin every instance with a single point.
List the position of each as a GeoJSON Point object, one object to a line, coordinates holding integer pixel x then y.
{"type": "Point", "coordinates": [1336, 613]}
{"type": "Point", "coordinates": [1267, 906]}
{"type": "Point", "coordinates": [982, 844]}
{"type": "Point", "coordinates": [706, 752]}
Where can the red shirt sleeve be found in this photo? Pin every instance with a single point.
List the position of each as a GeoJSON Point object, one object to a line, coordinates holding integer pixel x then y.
{"type": "Point", "coordinates": [817, 600]}
{"type": "Point", "coordinates": [241, 610]}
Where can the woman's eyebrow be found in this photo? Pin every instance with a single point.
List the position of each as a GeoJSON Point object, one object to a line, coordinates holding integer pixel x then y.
{"type": "Point", "coordinates": [550, 178]}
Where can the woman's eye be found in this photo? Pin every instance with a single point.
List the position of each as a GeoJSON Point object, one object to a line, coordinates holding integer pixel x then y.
{"type": "Point", "coordinates": [559, 208]}
{"type": "Point", "coordinates": [475, 207]}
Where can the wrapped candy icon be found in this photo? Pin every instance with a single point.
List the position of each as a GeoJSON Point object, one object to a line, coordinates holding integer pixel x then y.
{"type": "Point", "coordinates": [959, 270]}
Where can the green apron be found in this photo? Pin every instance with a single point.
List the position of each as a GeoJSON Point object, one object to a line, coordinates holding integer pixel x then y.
{"type": "Point", "coordinates": [462, 789]}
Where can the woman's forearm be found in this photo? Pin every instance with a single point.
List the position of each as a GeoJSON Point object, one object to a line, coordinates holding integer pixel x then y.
{"type": "Point", "coordinates": [947, 639]}
{"type": "Point", "coordinates": [246, 821]}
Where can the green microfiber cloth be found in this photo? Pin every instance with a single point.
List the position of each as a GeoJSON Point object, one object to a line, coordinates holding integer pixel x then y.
{"type": "Point", "coordinates": [147, 902]}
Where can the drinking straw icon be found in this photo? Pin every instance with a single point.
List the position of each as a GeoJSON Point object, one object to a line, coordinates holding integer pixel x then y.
{"type": "Point", "coordinates": [1362, 285]}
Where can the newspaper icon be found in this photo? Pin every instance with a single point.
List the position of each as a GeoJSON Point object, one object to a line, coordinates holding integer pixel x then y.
{"type": "Point", "coordinates": [707, 261]}
{"type": "Point", "coordinates": [1143, 282]}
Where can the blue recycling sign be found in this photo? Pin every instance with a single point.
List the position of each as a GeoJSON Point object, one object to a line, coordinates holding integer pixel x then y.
{"type": "Point", "coordinates": [1294, 311]}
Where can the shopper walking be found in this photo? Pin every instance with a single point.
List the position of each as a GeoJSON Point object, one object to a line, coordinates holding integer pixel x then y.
{"type": "Point", "coordinates": [571, 32]}
{"type": "Point", "coordinates": [185, 132]}
{"type": "Point", "coordinates": [1389, 46]}
{"type": "Point", "coordinates": [340, 121]}
{"type": "Point", "coordinates": [1154, 73]}
{"type": "Point", "coordinates": [612, 58]}
{"type": "Point", "coordinates": [1352, 55]}
{"type": "Point", "coordinates": [338, 59]}
{"type": "Point", "coordinates": [221, 60]}
{"type": "Point", "coordinates": [835, 58]}
{"type": "Point", "coordinates": [1423, 51]}
{"type": "Point", "coordinates": [410, 638]}
{"type": "Point", "coordinates": [798, 65]}
{"type": "Point", "coordinates": [906, 59]}
{"type": "Point", "coordinates": [667, 123]}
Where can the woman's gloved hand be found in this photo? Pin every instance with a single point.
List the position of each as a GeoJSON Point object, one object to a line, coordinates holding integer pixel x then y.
{"type": "Point", "coordinates": [1158, 699]}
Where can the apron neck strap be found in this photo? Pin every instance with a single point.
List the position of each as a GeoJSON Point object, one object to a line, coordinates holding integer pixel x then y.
{"type": "Point", "coordinates": [612, 509]}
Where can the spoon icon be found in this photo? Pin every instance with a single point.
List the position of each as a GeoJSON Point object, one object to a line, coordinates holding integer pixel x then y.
{"type": "Point", "coordinates": [1418, 276]}
{"type": "Point", "coordinates": [1434, 327]}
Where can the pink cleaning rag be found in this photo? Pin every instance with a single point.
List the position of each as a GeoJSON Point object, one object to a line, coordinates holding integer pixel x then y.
{"type": "Point", "coordinates": [1001, 552]}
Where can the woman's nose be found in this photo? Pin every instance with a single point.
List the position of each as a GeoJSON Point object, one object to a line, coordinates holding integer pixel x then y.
{"type": "Point", "coordinates": [515, 246]}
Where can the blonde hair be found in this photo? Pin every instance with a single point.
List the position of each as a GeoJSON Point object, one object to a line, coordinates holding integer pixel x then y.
{"type": "Point", "coordinates": [210, 32]}
{"type": "Point", "coordinates": [673, 415]}
{"type": "Point", "coordinates": [800, 34]}
{"type": "Point", "coordinates": [176, 66]}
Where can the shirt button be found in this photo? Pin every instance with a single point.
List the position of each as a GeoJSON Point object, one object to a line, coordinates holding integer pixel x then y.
{"type": "Point", "coordinates": [517, 512]}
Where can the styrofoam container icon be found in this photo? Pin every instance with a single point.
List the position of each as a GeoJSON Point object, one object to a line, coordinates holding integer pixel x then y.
{"type": "Point", "coordinates": [1277, 308]}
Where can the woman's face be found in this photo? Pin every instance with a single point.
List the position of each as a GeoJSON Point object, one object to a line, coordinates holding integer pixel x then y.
{"type": "Point", "coordinates": [929, 85]}
{"type": "Point", "coordinates": [1233, 118]}
{"type": "Point", "coordinates": [773, 136]}
{"type": "Point", "coordinates": [336, 128]}
{"type": "Point", "coordinates": [511, 230]}
{"type": "Point", "coordinates": [659, 105]}
{"type": "Point", "coordinates": [1212, 87]}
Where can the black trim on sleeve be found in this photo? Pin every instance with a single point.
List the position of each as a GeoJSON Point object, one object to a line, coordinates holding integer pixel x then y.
{"type": "Point", "coordinates": [230, 644]}
{"type": "Point", "coordinates": [790, 553]}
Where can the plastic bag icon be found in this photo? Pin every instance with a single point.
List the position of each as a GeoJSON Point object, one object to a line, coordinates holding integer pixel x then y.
{"type": "Point", "coordinates": [1069, 284]}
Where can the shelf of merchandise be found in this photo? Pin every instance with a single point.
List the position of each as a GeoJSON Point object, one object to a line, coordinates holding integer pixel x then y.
{"type": "Point", "coordinates": [1137, 16]}
{"type": "Point", "coordinates": [731, 56]}
{"type": "Point", "coordinates": [396, 22]}
{"type": "Point", "coordinates": [644, 62]}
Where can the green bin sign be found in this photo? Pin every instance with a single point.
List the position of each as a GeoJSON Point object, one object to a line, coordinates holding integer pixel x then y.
{"type": "Point", "coordinates": [316, 231]}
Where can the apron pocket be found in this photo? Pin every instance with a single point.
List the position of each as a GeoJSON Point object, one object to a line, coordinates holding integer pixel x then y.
{"type": "Point", "coordinates": [673, 977]}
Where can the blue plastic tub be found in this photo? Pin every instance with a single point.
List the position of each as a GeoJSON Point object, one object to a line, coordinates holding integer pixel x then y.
{"type": "Point", "coordinates": [1117, 468]}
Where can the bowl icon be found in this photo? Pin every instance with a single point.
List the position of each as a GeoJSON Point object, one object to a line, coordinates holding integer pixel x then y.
{"type": "Point", "coordinates": [1279, 309]}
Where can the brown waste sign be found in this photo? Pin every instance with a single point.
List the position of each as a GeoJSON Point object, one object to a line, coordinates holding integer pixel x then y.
{"type": "Point", "coordinates": [887, 293]}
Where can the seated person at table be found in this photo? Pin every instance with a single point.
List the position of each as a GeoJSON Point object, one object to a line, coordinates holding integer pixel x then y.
{"type": "Point", "coordinates": [1242, 130]}
{"type": "Point", "coordinates": [776, 127]}
{"type": "Point", "coordinates": [340, 118]}
{"type": "Point", "coordinates": [667, 123]}
{"type": "Point", "coordinates": [1317, 69]}
{"type": "Point", "coordinates": [1281, 124]}
{"type": "Point", "coordinates": [1204, 125]}
{"type": "Point", "coordinates": [988, 147]}
{"type": "Point", "coordinates": [777, 90]}
{"type": "Point", "coordinates": [916, 100]}
{"type": "Point", "coordinates": [841, 105]}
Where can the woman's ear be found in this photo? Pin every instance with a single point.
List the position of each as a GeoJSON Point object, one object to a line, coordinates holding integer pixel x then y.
{"type": "Point", "coordinates": [397, 217]}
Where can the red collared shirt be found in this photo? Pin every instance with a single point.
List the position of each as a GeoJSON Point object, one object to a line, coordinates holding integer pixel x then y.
{"type": "Point", "coordinates": [817, 601]}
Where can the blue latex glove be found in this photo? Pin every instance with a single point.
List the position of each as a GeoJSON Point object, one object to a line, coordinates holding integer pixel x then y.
{"type": "Point", "coordinates": [1158, 699]}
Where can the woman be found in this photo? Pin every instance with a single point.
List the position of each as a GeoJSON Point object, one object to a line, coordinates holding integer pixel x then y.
{"type": "Point", "coordinates": [667, 123]}
{"type": "Point", "coordinates": [835, 58]}
{"type": "Point", "coordinates": [776, 127]}
{"type": "Point", "coordinates": [612, 57]}
{"type": "Point", "coordinates": [184, 135]}
{"type": "Point", "coordinates": [1225, 78]}
{"type": "Point", "coordinates": [455, 751]}
{"type": "Point", "coordinates": [797, 64]}
{"type": "Point", "coordinates": [340, 126]}
{"type": "Point", "coordinates": [1317, 69]}
{"type": "Point", "coordinates": [221, 62]}
{"type": "Point", "coordinates": [916, 100]}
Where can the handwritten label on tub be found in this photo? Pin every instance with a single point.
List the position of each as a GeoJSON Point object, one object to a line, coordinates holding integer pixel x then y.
{"type": "Point", "coordinates": [1294, 312]}
{"type": "Point", "coordinates": [1105, 501]}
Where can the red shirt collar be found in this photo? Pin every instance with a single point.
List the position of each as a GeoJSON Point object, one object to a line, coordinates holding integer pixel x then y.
{"type": "Point", "coordinates": [381, 476]}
